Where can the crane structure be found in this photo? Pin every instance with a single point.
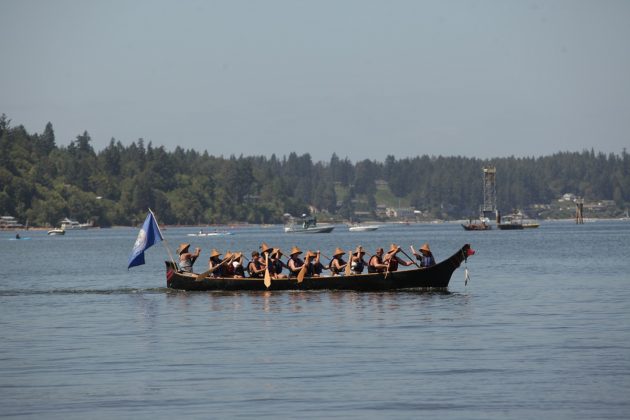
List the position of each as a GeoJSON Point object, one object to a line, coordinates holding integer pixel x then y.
{"type": "Point", "coordinates": [489, 209]}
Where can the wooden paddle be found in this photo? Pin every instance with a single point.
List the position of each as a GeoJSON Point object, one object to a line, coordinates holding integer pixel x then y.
{"type": "Point", "coordinates": [302, 272]}
{"type": "Point", "coordinates": [267, 275]}
{"type": "Point", "coordinates": [389, 261]}
{"type": "Point", "coordinates": [410, 259]}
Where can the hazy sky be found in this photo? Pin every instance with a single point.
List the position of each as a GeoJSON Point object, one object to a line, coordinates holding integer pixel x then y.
{"type": "Point", "coordinates": [360, 78]}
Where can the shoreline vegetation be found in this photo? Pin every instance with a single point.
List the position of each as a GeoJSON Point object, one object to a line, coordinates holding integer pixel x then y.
{"type": "Point", "coordinates": [42, 183]}
{"type": "Point", "coordinates": [277, 225]}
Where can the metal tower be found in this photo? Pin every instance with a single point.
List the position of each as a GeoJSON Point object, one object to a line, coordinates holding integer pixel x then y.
{"type": "Point", "coordinates": [489, 208]}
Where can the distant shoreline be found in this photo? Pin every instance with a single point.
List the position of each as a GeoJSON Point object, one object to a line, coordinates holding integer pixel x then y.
{"type": "Point", "coordinates": [267, 225]}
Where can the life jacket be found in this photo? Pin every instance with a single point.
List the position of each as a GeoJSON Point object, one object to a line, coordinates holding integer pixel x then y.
{"type": "Point", "coordinates": [335, 270]}
{"type": "Point", "coordinates": [393, 263]}
{"type": "Point", "coordinates": [275, 267]}
{"type": "Point", "coordinates": [257, 266]}
{"type": "Point", "coordinates": [379, 260]}
{"type": "Point", "coordinates": [314, 268]}
{"type": "Point", "coordinates": [238, 270]}
{"type": "Point", "coordinates": [297, 263]}
{"type": "Point", "coordinates": [219, 272]}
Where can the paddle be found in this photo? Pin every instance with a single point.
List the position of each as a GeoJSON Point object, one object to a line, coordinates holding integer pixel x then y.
{"type": "Point", "coordinates": [410, 259]}
{"type": "Point", "coordinates": [389, 261]}
{"type": "Point", "coordinates": [267, 275]}
{"type": "Point", "coordinates": [302, 272]}
{"type": "Point", "coordinates": [203, 275]}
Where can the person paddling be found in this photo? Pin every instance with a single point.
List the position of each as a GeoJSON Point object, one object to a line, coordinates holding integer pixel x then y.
{"type": "Point", "coordinates": [256, 267]}
{"type": "Point", "coordinates": [393, 260]}
{"type": "Point", "coordinates": [276, 264]}
{"type": "Point", "coordinates": [337, 264]}
{"type": "Point", "coordinates": [295, 262]}
{"type": "Point", "coordinates": [376, 263]}
{"type": "Point", "coordinates": [357, 263]}
{"type": "Point", "coordinates": [425, 256]}
{"type": "Point", "coordinates": [215, 263]}
{"type": "Point", "coordinates": [315, 266]}
{"type": "Point", "coordinates": [238, 271]}
{"type": "Point", "coordinates": [187, 259]}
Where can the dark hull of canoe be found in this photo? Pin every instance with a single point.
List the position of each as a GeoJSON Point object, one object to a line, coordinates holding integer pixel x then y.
{"type": "Point", "coordinates": [437, 276]}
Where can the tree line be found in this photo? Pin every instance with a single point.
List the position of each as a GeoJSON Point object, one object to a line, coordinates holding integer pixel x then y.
{"type": "Point", "coordinates": [41, 182]}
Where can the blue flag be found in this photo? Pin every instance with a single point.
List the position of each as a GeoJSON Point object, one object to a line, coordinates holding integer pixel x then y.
{"type": "Point", "coordinates": [147, 237]}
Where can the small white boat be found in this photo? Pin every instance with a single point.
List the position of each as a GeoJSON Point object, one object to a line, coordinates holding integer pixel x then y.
{"type": "Point", "coordinates": [67, 224]}
{"type": "Point", "coordinates": [56, 232]}
{"type": "Point", "coordinates": [363, 228]}
{"type": "Point", "coordinates": [215, 233]}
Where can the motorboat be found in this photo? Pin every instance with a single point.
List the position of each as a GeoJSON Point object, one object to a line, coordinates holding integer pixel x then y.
{"type": "Point", "coordinates": [306, 225]}
{"type": "Point", "coordinates": [69, 224]}
{"type": "Point", "coordinates": [363, 228]}
{"type": "Point", "coordinates": [213, 233]}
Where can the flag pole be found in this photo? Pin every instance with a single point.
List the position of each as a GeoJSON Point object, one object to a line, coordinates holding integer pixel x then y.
{"type": "Point", "coordinates": [163, 238]}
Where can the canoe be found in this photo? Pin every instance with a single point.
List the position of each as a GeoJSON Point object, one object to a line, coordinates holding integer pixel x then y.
{"type": "Point", "coordinates": [435, 277]}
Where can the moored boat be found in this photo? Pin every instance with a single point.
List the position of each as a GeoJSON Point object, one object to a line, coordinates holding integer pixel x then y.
{"type": "Point", "coordinates": [481, 224]}
{"type": "Point", "coordinates": [437, 276]}
{"type": "Point", "coordinates": [69, 224]}
{"type": "Point", "coordinates": [57, 232]}
{"type": "Point", "coordinates": [10, 222]}
{"type": "Point", "coordinates": [530, 225]}
{"type": "Point", "coordinates": [363, 228]}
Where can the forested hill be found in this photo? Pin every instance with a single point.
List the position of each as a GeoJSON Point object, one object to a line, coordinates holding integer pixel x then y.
{"type": "Point", "coordinates": [42, 183]}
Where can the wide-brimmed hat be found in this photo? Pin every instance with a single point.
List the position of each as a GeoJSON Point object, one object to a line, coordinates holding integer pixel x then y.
{"type": "Point", "coordinates": [264, 248]}
{"type": "Point", "coordinates": [295, 250]}
{"type": "Point", "coordinates": [277, 252]}
{"type": "Point", "coordinates": [394, 248]}
{"type": "Point", "coordinates": [237, 255]}
{"type": "Point", "coordinates": [338, 251]}
{"type": "Point", "coordinates": [228, 255]}
{"type": "Point", "coordinates": [425, 247]}
{"type": "Point", "coordinates": [214, 253]}
{"type": "Point", "coordinates": [182, 248]}
{"type": "Point", "coordinates": [358, 251]}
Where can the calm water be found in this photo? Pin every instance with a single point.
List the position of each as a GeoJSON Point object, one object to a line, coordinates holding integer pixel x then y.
{"type": "Point", "coordinates": [541, 330]}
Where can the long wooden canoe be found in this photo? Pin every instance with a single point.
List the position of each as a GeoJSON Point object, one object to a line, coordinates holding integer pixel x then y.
{"type": "Point", "coordinates": [437, 276]}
